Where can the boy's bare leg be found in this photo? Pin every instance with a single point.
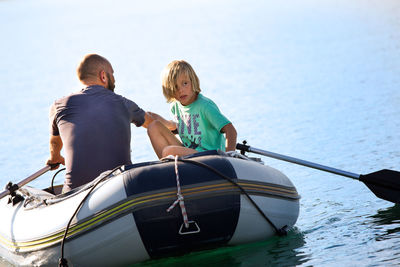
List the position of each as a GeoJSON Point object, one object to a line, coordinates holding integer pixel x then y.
{"type": "Point", "coordinates": [177, 150]}
{"type": "Point", "coordinates": [161, 137]}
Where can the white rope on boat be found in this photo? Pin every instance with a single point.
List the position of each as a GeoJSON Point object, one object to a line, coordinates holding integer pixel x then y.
{"type": "Point", "coordinates": [180, 197]}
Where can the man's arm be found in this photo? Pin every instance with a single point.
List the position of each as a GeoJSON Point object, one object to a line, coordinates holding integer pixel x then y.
{"type": "Point", "coordinates": [147, 119]}
{"type": "Point", "coordinates": [56, 145]}
{"type": "Point", "coordinates": [231, 136]}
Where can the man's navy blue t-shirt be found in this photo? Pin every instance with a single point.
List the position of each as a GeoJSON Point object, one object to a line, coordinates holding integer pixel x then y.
{"type": "Point", "coordinates": [94, 125]}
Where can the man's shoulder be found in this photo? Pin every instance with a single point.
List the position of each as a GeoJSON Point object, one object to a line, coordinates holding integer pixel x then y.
{"type": "Point", "coordinates": [66, 97]}
{"type": "Point", "coordinates": [86, 92]}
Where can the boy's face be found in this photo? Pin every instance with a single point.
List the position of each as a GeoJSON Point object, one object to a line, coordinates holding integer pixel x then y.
{"type": "Point", "coordinates": [184, 92]}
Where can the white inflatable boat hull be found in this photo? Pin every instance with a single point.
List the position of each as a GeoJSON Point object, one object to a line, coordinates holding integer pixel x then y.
{"type": "Point", "coordinates": [124, 220]}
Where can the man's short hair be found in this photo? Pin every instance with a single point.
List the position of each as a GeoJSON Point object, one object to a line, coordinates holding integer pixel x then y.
{"type": "Point", "coordinates": [90, 66]}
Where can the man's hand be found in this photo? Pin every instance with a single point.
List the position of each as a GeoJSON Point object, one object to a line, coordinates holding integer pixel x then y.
{"type": "Point", "coordinates": [55, 162]}
{"type": "Point", "coordinates": [171, 125]}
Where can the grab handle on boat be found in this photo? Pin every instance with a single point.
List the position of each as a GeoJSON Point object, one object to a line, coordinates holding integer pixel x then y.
{"type": "Point", "coordinates": [192, 229]}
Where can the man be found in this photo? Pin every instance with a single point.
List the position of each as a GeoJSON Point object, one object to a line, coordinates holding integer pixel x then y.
{"type": "Point", "coordinates": [93, 125]}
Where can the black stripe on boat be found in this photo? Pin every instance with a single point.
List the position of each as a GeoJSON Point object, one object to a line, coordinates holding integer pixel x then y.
{"type": "Point", "coordinates": [215, 217]}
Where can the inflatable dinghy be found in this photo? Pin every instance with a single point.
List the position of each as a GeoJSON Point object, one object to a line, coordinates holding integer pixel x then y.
{"type": "Point", "coordinates": [149, 210]}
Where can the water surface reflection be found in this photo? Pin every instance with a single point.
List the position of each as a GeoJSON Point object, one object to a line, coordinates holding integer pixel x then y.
{"type": "Point", "coordinates": [277, 251]}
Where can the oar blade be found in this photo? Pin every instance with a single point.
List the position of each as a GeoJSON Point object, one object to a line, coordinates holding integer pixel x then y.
{"type": "Point", "coordinates": [384, 184]}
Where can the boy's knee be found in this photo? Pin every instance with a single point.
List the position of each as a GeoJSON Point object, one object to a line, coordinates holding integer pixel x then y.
{"type": "Point", "coordinates": [153, 126]}
{"type": "Point", "coordinates": [166, 151]}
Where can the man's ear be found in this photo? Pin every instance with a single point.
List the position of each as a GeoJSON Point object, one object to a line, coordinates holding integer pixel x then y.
{"type": "Point", "coordinates": [103, 76]}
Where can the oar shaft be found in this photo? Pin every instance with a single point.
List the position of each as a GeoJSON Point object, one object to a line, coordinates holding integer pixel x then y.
{"type": "Point", "coordinates": [34, 176]}
{"type": "Point", "coordinates": [385, 184]}
{"type": "Point", "coordinates": [27, 179]}
{"type": "Point", "coordinates": [3, 194]}
{"type": "Point", "coordinates": [303, 162]}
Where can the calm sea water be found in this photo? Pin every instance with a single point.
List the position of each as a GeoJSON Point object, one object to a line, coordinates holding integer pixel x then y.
{"type": "Point", "coordinates": [316, 80]}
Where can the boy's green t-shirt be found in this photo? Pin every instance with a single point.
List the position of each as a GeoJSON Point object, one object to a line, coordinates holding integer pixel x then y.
{"type": "Point", "coordinates": [200, 124]}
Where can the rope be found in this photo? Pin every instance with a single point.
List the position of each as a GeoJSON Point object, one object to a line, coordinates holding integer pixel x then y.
{"type": "Point", "coordinates": [180, 197]}
{"type": "Point", "coordinates": [62, 262]}
{"type": "Point", "coordinates": [52, 180]}
{"type": "Point", "coordinates": [280, 232]}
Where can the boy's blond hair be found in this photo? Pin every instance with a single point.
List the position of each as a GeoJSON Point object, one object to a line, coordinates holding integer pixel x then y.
{"type": "Point", "coordinates": [169, 77]}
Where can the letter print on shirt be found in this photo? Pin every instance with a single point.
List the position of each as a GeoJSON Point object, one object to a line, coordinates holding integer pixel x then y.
{"type": "Point", "coordinates": [189, 130]}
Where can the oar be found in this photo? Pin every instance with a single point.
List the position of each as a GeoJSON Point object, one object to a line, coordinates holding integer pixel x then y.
{"type": "Point", "coordinates": [384, 184]}
{"type": "Point", "coordinates": [13, 187]}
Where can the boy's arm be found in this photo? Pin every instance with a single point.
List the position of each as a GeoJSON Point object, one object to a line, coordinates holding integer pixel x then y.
{"type": "Point", "coordinates": [230, 135]}
{"type": "Point", "coordinates": [171, 125]}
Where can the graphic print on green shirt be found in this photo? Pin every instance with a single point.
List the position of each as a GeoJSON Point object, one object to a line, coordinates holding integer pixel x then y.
{"type": "Point", "coordinates": [200, 124]}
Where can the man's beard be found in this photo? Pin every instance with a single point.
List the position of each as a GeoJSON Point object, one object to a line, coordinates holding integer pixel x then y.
{"type": "Point", "coordinates": [110, 84]}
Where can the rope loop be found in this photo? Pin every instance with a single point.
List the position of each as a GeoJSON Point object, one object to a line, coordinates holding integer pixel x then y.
{"type": "Point", "coordinates": [179, 197]}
